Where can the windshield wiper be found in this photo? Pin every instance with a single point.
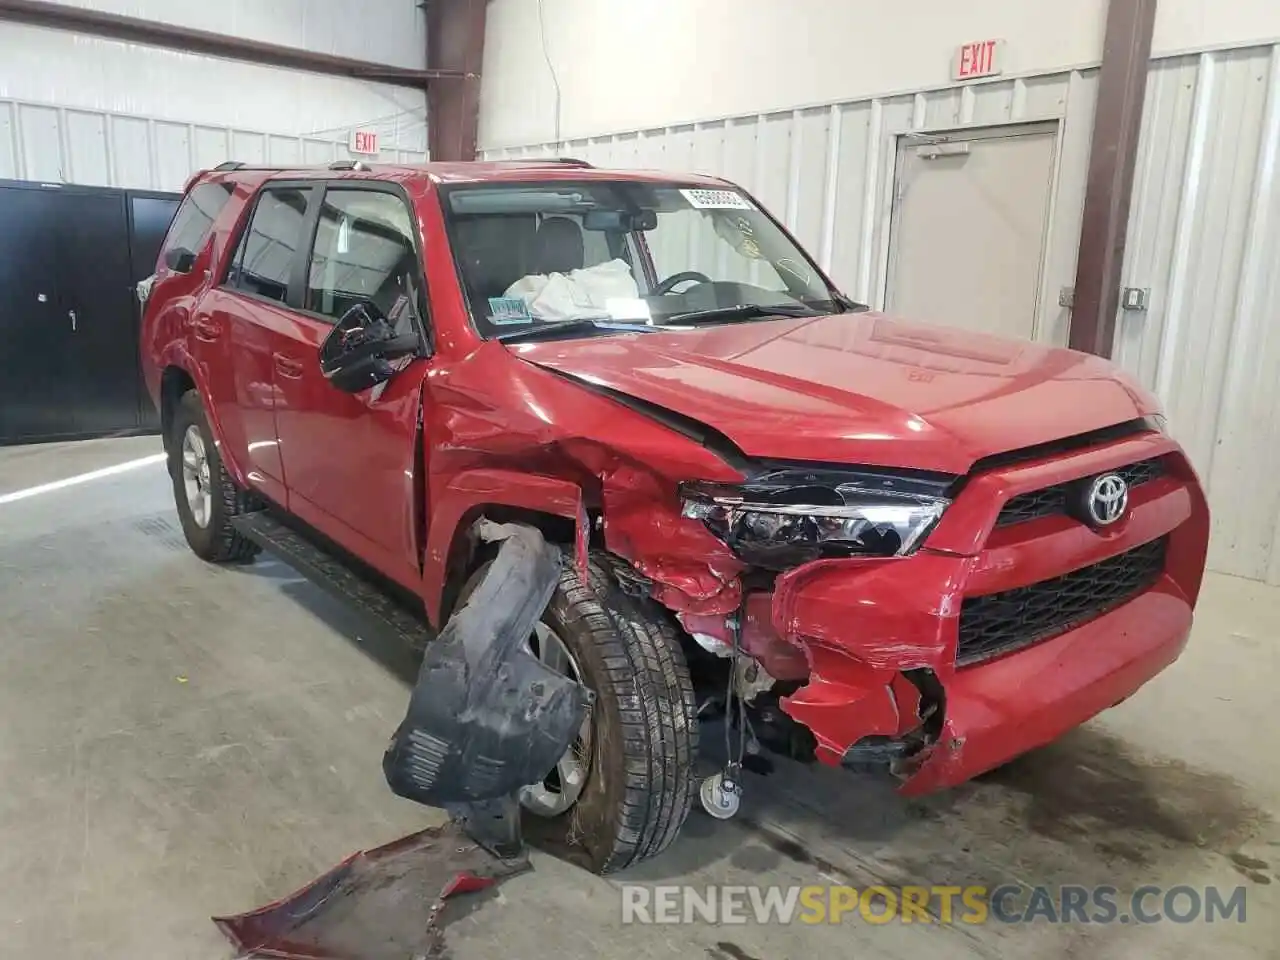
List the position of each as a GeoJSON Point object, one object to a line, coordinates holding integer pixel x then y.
{"type": "Point", "coordinates": [577, 325]}
{"type": "Point", "coordinates": [742, 311]}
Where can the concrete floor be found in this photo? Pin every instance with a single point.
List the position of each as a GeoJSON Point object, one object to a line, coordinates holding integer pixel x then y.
{"type": "Point", "coordinates": [179, 740]}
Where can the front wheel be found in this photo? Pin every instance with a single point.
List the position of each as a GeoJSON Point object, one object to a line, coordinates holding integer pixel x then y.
{"type": "Point", "coordinates": [204, 493]}
{"type": "Point", "coordinates": [623, 790]}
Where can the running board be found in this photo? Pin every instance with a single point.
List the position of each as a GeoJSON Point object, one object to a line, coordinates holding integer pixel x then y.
{"type": "Point", "coordinates": [390, 633]}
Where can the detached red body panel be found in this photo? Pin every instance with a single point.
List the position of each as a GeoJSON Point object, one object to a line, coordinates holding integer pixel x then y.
{"type": "Point", "coordinates": [1012, 621]}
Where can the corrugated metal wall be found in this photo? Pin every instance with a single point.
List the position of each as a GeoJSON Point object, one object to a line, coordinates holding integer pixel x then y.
{"type": "Point", "coordinates": [99, 148]}
{"type": "Point", "coordinates": [828, 171]}
{"type": "Point", "coordinates": [88, 110]}
{"type": "Point", "coordinates": [385, 31]}
{"type": "Point", "coordinates": [1204, 237]}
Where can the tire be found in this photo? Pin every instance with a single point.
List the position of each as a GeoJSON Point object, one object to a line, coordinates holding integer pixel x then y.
{"type": "Point", "coordinates": [644, 740]}
{"type": "Point", "coordinates": [214, 539]}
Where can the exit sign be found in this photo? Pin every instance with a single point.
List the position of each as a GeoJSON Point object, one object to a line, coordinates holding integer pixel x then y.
{"type": "Point", "coordinates": [982, 58]}
{"type": "Point", "coordinates": [364, 141]}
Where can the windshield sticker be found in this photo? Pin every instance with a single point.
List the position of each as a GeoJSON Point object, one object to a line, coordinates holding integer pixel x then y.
{"type": "Point", "coordinates": [507, 310]}
{"type": "Point", "coordinates": [715, 200]}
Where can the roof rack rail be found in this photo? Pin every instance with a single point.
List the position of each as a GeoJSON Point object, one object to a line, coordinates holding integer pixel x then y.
{"type": "Point", "coordinates": [335, 165]}
{"type": "Point", "coordinates": [570, 161]}
{"type": "Point", "coordinates": [241, 165]}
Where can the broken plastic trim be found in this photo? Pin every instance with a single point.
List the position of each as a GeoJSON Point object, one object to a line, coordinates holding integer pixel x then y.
{"type": "Point", "coordinates": [486, 717]}
{"type": "Point", "coordinates": [899, 755]}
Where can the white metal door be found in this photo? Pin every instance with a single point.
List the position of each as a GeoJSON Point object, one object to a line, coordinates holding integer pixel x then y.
{"type": "Point", "coordinates": [968, 235]}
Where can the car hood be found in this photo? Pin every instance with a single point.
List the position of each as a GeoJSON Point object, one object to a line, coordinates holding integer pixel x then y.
{"type": "Point", "coordinates": [857, 388]}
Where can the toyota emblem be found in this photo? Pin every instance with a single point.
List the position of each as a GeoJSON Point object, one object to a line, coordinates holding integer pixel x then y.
{"type": "Point", "coordinates": [1107, 499]}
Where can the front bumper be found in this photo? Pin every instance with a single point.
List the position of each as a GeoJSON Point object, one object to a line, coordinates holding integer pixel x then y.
{"type": "Point", "coordinates": [871, 629]}
{"type": "Point", "coordinates": [998, 710]}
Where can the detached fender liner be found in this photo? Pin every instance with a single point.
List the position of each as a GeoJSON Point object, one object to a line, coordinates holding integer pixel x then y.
{"type": "Point", "coordinates": [486, 717]}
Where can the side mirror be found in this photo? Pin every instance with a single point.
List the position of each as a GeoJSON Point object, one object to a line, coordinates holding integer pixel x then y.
{"type": "Point", "coordinates": [360, 374]}
{"type": "Point", "coordinates": [179, 260]}
{"type": "Point", "coordinates": [357, 353]}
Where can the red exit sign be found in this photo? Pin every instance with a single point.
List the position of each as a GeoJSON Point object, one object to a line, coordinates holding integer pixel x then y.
{"type": "Point", "coordinates": [982, 58]}
{"type": "Point", "coordinates": [364, 141]}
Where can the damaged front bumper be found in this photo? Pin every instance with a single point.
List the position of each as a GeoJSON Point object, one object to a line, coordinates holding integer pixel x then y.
{"type": "Point", "coordinates": [883, 691]}
{"type": "Point", "coordinates": [887, 679]}
{"type": "Point", "coordinates": [999, 710]}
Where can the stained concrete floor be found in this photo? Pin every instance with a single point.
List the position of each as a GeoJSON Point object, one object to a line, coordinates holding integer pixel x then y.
{"type": "Point", "coordinates": [179, 740]}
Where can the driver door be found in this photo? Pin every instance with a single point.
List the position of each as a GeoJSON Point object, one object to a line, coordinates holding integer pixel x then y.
{"type": "Point", "coordinates": [349, 458]}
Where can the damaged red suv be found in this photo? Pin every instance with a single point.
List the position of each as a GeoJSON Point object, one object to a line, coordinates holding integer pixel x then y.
{"type": "Point", "coordinates": [617, 458]}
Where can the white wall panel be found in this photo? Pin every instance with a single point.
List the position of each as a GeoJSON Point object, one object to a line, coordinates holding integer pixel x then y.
{"type": "Point", "coordinates": [95, 111]}
{"type": "Point", "coordinates": [624, 65]}
{"type": "Point", "coordinates": [827, 171]}
{"type": "Point", "coordinates": [58, 145]}
{"type": "Point", "coordinates": [1204, 237]}
{"type": "Point", "coordinates": [384, 31]}
{"type": "Point", "coordinates": [86, 143]}
{"type": "Point", "coordinates": [90, 73]}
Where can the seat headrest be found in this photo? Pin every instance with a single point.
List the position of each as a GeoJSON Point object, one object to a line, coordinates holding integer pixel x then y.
{"type": "Point", "coordinates": [557, 246]}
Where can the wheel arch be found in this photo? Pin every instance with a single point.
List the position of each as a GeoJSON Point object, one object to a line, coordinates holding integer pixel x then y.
{"type": "Point", "coordinates": [174, 382]}
{"type": "Point", "coordinates": [552, 505]}
{"type": "Point", "coordinates": [178, 375]}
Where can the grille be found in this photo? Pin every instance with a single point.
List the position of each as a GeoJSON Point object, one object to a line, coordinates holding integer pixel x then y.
{"type": "Point", "coordinates": [1052, 501]}
{"type": "Point", "coordinates": [1000, 622]}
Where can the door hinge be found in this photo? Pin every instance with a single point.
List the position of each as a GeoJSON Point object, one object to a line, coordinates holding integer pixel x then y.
{"type": "Point", "coordinates": [1067, 297]}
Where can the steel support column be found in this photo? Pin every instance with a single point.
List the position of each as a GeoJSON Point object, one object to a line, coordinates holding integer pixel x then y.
{"type": "Point", "coordinates": [455, 46]}
{"type": "Point", "coordinates": [1122, 85]}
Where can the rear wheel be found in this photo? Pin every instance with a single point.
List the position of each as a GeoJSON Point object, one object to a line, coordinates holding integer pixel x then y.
{"type": "Point", "coordinates": [204, 493]}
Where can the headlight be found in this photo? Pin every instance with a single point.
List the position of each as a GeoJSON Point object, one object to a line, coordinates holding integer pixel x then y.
{"type": "Point", "coordinates": [788, 517]}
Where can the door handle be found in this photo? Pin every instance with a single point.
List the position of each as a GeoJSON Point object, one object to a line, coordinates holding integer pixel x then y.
{"type": "Point", "coordinates": [207, 329]}
{"type": "Point", "coordinates": [72, 315]}
{"type": "Point", "coordinates": [288, 367]}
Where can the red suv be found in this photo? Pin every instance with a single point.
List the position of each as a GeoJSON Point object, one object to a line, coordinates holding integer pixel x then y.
{"type": "Point", "coordinates": [883, 545]}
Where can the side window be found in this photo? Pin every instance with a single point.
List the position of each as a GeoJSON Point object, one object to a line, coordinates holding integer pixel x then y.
{"type": "Point", "coordinates": [195, 216]}
{"type": "Point", "coordinates": [363, 253]}
{"type": "Point", "coordinates": [269, 244]}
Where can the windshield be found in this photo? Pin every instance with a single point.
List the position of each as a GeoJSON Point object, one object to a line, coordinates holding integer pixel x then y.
{"type": "Point", "coordinates": [625, 255]}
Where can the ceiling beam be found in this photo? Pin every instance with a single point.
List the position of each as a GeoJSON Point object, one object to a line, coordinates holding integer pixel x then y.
{"type": "Point", "coordinates": [59, 16]}
{"type": "Point", "coordinates": [1122, 85]}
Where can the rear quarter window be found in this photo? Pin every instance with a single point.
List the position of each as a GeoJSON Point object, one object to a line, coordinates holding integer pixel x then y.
{"type": "Point", "coordinates": [195, 216]}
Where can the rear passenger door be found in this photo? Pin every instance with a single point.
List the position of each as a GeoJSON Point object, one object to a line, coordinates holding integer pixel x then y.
{"type": "Point", "coordinates": [248, 317]}
{"type": "Point", "coordinates": [349, 459]}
